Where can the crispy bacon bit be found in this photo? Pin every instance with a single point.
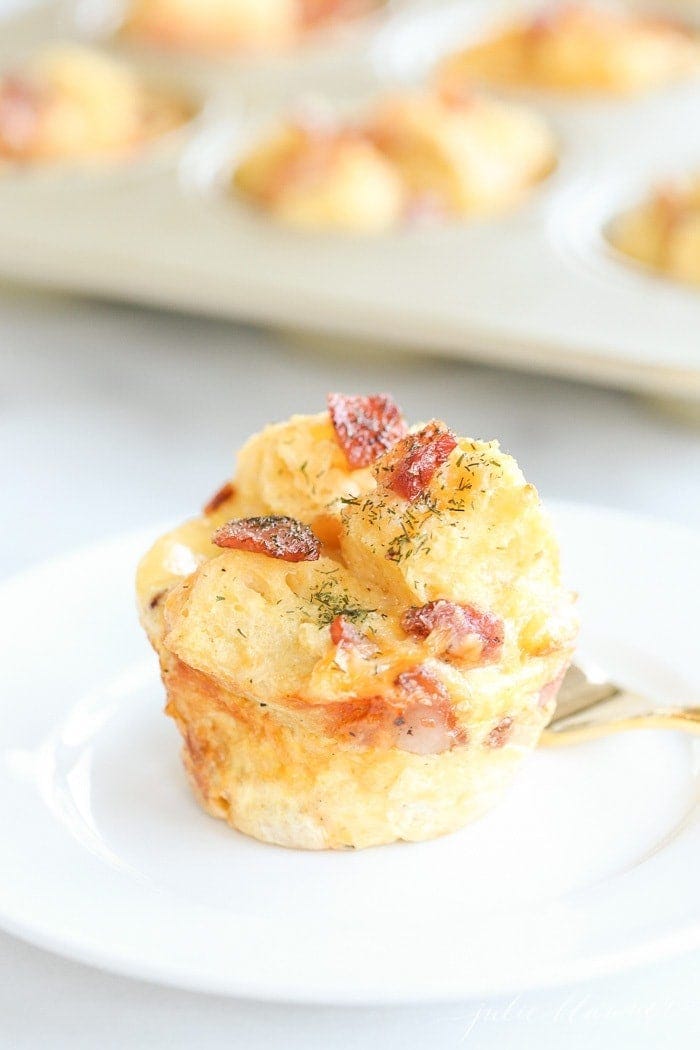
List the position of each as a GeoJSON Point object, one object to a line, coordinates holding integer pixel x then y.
{"type": "Point", "coordinates": [348, 641]}
{"type": "Point", "coordinates": [20, 108]}
{"type": "Point", "coordinates": [365, 426]}
{"type": "Point", "coordinates": [426, 723]}
{"type": "Point", "coordinates": [421, 683]}
{"type": "Point", "coordinates": [500, 734]}
{"type": "Point", "coordinates": [366, 720]}
{"type": "Point", "coordinates": [225, 493]}
{"type": "Point", "coordinates": [345, 634]}
{"type": "Point", "coordinates": [413, 462]}
{"type": "Point", "coordinates": [418, 716]}
{"type": "Point", "coordinates": [456, 630]}
{"type": "Point", "coordinates": [316, 12]}
{"type": "Point", "coordinates": [276, 536]}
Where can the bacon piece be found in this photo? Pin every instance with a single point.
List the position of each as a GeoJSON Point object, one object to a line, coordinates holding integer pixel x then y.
{"type": "Point", "coordinates": [417, 717]}
{"type": "Point", "coordinates": [365, 426]}
{"type": "Point", "coordinates": [276, 536]}
{"type": "Point", "coordinates": [348, 641]}
{"type": "Point", "coordinates": [225, 493]}
{"type": "Point", "coordinates": [20, 110]}
{"type": "Point", "coordinates": [420, 682]}
{"type": "Point", "coordinates": [426, 723]}
{"type": "Point", "coordinates": [345, 635]}
{"type": "Point", "coordinates": [413, 462]}
{"type": "Point", "coordinates": [456, 630]}
{"type": "Point", "coordinates": [314, 12]}
{"type": "Point", "coordinates": [500, 734]}
{"type": "Point", "coordinates": [317, 12]}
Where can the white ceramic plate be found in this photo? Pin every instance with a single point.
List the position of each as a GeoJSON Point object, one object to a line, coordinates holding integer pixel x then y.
{"type": "Point", "coordinates": [589, 865]}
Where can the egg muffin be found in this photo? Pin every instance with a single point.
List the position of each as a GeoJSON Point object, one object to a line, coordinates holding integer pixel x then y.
{"type": "Point", "coordinates": [466, 153]}
{"type": "Point", "coordinates": [72, 103]}
{"type": "Point", "coordinates": [322, 178]}
{"type": "Point", "coordinates": [664, 232]}
{"type": "Point", "coordinates": [414, 155]}
{"type": "Point", "coordinates": [363, 633]}
{"type": "Point", "coordinates": [578, 48]}
{"type": "Point", "coordinates": [220, 26]}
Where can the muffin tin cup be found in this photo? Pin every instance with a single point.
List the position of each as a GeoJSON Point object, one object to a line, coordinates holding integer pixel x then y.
{"type": "Point", "coordinates": [539, 287]}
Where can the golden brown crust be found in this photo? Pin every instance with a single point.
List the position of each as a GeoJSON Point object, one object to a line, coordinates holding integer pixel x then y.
{"type": "Point", "coordinates": [278, 778]}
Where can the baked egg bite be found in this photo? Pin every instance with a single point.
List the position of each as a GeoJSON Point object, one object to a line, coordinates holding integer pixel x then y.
{"type": "Point", "coordinates": [322, 178]}
{"type": "Point", "coordinates": [664, 231]}
{"type": "Point", "coordinates": [414, 155]}
{"type": "Point", "coordinates": [363, 634]}
{"type": "Point", "coordinates": [578, 48]}
{"type": "Point", "coordinates": [465, 154]}
{"type": "Point", "coordinates": [212, 27]}
{"type": "Point", "coordinates": [73, 103]}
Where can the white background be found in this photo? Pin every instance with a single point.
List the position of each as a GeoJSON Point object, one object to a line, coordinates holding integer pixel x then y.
{"type": "Point", "coordinates": [112, 418]}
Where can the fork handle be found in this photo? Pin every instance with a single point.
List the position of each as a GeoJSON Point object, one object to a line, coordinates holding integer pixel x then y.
{"type": "Point", "coordinates": [577, 730]}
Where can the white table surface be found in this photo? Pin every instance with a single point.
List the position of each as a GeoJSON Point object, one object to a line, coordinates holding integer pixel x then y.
{"type": "Point", "coordinates": [112, 418]}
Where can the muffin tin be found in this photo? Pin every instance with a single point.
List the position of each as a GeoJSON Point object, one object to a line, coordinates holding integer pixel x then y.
{"type": "Point", "coordinates": [539, 288]}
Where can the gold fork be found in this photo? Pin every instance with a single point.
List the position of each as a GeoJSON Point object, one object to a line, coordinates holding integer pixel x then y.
{"type": "Point", "coordinates": [589, 706]}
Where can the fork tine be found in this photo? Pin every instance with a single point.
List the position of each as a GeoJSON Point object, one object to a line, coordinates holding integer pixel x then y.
{"type": "Point", "coordinates": [580, 691]}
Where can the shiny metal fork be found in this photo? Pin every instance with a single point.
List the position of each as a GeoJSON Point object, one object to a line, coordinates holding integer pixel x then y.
{"type": "Point", "coordinates": [589, 706]}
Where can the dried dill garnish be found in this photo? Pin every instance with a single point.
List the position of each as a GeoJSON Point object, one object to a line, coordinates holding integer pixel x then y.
{"type": "Point", "coordinates": [411, 539]}
{"type": "Point", "coordinates": [335, 601]}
